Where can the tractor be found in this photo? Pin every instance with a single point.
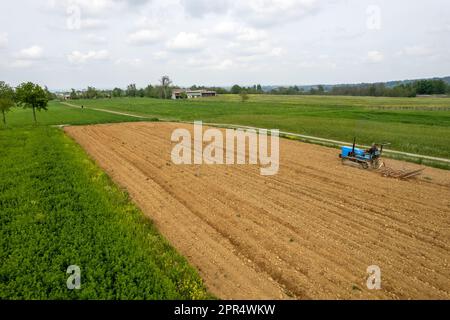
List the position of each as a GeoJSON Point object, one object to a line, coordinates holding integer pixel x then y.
{"type": "Point", "coordinates": [367, 159]}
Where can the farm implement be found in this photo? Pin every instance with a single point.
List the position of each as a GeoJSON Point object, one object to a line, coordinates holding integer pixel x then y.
{"type": "Point", "coordinates": [371, 160]}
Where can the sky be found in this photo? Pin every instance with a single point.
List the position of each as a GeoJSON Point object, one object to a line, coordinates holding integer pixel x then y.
{"type": "Point", "coordinates": [111, 43]}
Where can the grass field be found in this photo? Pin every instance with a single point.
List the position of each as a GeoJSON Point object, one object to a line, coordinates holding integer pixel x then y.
{"type": "Point", "coordinates": [59, 209]}
{"type": "Point", "coordinates": [59, 114]}
{"type": "Point", "coordinates": [416, 125]}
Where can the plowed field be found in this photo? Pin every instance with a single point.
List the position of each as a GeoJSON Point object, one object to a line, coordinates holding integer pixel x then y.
{"type": "Point", "coordinates": [308, 232]}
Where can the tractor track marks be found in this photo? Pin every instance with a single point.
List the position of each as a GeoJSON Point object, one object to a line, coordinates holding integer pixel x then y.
{"type": "Point", "coordinates": [309, 232]}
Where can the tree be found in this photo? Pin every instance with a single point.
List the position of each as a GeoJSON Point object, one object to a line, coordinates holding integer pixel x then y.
{"type": "Point", "coordinates": [183, 95]}
{"type": "Point", "coordinates": [236, 89]}
{"type": "Point", "coordinates": [6, 99]}
{"type": "Point", "coordinates": [50, 95]}
{"type": "Point", "coordinates": [424, 87]}
{"type": "Point", "coordinates": [30, 95]}
{"type": "Point", "coordinates": [244, 96]}
{"type": "Point", "coordinates": [439, 87]}
{"type": "Point", "coordinates": [131, 90]}
{"type": "Point", "coordinates": [91, 93]}
{"type": "Point", "coordinates": [165, 83]}
{"type": "Point", "coordinates": [73, 95]}
{"type": "Point", "coordinates": [117, 92]}
{"type": "Point", "coordinates": [150, 92]}
{"type": "Point", "coordinates": [320, 89]}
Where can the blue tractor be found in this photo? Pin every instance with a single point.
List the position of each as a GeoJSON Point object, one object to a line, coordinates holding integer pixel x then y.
{"type": "Point", "coordinates": [367, 159]}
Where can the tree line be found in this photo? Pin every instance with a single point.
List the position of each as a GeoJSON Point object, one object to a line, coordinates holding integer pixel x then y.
{"type": "Point", "coordinates": [27, 95]}
{"type": "Point", "coordinates": [412, 89]}
{"type": "Point", "coordinates": [161, 91]}
{"type": "Point", "coordinates": [130, 91]}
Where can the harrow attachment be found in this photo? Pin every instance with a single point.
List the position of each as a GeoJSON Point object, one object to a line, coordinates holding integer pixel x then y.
{"type": "Point", "coordinates": [399, 174]}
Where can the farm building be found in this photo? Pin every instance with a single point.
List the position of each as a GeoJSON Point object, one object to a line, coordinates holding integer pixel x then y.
{"type": "Point", "coordinates": [177, 93]}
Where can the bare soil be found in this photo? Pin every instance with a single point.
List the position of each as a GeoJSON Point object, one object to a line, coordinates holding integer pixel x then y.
{"type": "Point", "coordinates": [309, 232]}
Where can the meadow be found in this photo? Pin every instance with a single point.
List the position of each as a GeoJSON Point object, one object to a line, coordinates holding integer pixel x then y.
{"type": "Point", "coordinates": [415, 125]}
{"type": "Point", "coordinates": [58, 114]}
{"type": "Point", "coordinates": [57, 209]}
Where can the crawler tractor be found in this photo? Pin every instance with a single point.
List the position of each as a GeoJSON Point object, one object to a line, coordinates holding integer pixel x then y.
{"type": "Point", "coordinates": [367, 159]}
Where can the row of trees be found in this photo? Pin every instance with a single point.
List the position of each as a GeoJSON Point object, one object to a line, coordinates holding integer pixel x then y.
{"type": "Point", "coordinates": [412, 89]}
{"type": "Point", "coordinates": [149, 91]}
{"type": "Point", "coordinates": [421, 87]}
{"type": "Point", "coordinates": [256, 89]}
{"type": "Point", "coordinates": [375, 90]}
{"type": "Point", "coordinates": [26, 95]}
{"type": "Point", "coordinates": [432, 87]}
{"type": "Point", "coordinates": [164, 90]}
{"type": "Point", "coordinates": [161, 91]}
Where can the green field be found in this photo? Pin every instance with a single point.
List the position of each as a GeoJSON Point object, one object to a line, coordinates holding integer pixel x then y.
{"type": "Point", "coordinates": [415, 125]}
{"type": "Point", "coordinates": [58, 114]}
{"type": "Point", "coordinates": [57, 208]}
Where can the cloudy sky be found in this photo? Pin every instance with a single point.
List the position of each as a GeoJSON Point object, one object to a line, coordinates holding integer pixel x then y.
{"type": "Point", "coordinates": [107, 43]}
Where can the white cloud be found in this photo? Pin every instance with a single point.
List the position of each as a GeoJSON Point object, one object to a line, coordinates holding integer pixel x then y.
{"type": "Point", "coordinates": [232, 30]}
{"type": "Point", "coordinates": [77, 57]}
{"type": "Point", "coordinates": [94, 39]}
{"type": "Point", "coordinates": [273, 12]}
{"type": "Point", "coordinates": [86, 7]}
{"type": "Point", "coordinates": [136, 62]}
{"type": "Point", "coordinates": [375, 56]}
{"type": "Point", "coordinates": [21, 64]}
{"type": "Point", "coordinates": [31, 53]}
{"type": "Point", "coordinates": [3, 40]}
{"type": "Point", "coordinates": [276, 52]}
{"type": "Point", "coordinates": [200, 8]}
{"type": "Point", "coordinates": [416, 51]}
{"type": "Point", "coordinates": [223, 29]}
{"type": "Point", "coordinates": [251, 34]}
{"type": "Point", "coordinates": [27, 57]}
{"type": "Point", "coordinates": [224, 65]}
{"type": "Point", "coordinates": [256, 49]}
{"type": "Point", "coordinates": [91, 24]}
{"type": "Point", "coordinates": [144, 37]}
{"type": "Point", "coordinates": [255, 12]}
{"type": "Point", "coordinates": [322, 64]}
{"type": "Point", "coordinates": [211, 63]}
{"type": "Point", "coordinates": [160, 55]}
{"type": "Point", "coordinates": [185, 41]}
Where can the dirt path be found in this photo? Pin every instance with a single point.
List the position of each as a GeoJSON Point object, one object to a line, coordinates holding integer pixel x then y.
{"type": "Point", "coordinates": [309, 232]}
{"type": "Point", "coordinates": [107, 111]}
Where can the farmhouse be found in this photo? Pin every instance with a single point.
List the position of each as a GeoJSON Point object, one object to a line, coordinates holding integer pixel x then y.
{"type": "Point", "coordinates": [178, 93]}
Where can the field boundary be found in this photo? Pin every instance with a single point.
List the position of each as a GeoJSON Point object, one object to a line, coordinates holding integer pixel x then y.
{"type": "Point", "coordinates": [308, 138]}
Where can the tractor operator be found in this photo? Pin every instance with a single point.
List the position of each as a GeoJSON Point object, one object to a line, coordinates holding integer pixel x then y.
{"type": "Point", "coordinates": [373, 150]}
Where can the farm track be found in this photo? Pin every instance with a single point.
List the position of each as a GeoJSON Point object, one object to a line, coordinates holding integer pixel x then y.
{"type": "Point", "coordinates": [309, 232]}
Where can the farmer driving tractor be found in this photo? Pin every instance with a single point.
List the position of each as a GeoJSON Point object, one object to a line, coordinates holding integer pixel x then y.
{"type": "Point", "coordinates": [373, 151]}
